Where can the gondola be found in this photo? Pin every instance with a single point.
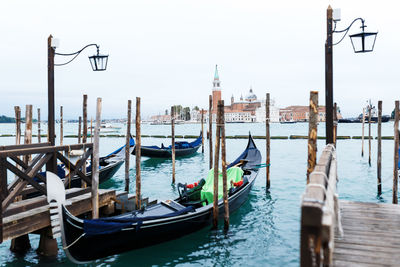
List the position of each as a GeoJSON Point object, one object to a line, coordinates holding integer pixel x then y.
{"type": "Point", "coordinates": [88, 240]}
{"type": "Point", "coordinates": [182, 149]}
{"type": "Point", "coordinates": [108, 166]}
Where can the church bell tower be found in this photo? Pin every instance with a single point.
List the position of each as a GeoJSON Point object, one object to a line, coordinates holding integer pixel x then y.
{"type": "Point", "coordinates": [216, 92]}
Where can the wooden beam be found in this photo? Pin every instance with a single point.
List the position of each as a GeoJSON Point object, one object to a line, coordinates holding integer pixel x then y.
{"type": "Point", "coordinates": [38, 150]}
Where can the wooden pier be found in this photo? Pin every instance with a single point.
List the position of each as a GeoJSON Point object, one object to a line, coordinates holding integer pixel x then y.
{"type": "Point", "coordinates": [371, 235]}
{"type": "Point", "coordinates": [344, 233]}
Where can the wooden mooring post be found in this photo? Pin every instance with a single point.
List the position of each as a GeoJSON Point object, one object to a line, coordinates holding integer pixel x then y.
{"type": "Point", "coordinates": [173, 142]}
{"type": "Point", "coordinates": [312, 133]}
{"type": "Point", "coordinates": [61, 126]}
{"type": "Point", "coordinates": [216, 164]}
{"type": "Point", "coordinates": [91, 130]}
{"type": "Point", "coordinates": [84, 130]}
{"type": "Point", "coordinates": [28, 130]}
{"type": "Point", "coordinates": [79, 129]}
{"type": "Point", "coordinates": [221, 123]}
{"type": "Point", "coordinates": [335, 122]}
{"type": "Point", "coordinates": [379, 157]}
{"type": "Point", "coordinates": [369, 134]}
{"type": "Point", "coordinates": [85, 126]}
{"type": "Point", "coordinates": [39, 130]}
{"type": "Point", "coordinates": [17, 110]}
{"type": "Point", "coordinates": [202, 130]}
{"type": "Point", "coordinates": [267, 140]}
{"type": "Point", "coordinates": [95, 166]}
{"type": "Point", "coordinates": [138, 154]}
{"type": "Point", "coordinates": [127, 145]}
{"type": "Point", "coordinates": [362, 135]}
{"type": "Point", "coordinates": [210, 129]}
{"type": "Point", "coordinates": [396, 152]}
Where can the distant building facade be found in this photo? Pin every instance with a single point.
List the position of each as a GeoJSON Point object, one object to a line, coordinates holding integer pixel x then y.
{"type": "Point", "coordinates": [301, 113]}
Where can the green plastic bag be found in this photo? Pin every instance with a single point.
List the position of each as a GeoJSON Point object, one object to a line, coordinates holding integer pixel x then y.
{"type": "Point", "coordinates": [234, 174]}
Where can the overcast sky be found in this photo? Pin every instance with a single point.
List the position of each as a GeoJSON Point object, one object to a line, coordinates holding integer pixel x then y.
{"type": "Point", "coordinates": [165, 52]}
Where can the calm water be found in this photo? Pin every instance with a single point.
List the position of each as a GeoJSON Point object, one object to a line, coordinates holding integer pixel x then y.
{"type": "Point", "coordinates": [265, 230]}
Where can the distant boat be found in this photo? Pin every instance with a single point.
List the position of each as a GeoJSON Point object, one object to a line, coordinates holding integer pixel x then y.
{"type": "Point", "coordinates": [287, 122]}
{"type": "Point", "coordinates": [182, 148]}
{"type": "Point", "coordinates": [374, 114]}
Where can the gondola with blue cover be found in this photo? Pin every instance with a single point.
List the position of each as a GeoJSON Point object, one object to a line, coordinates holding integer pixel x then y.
{"type": "Point", "coordinates": [108, 166]}
{"type": "Point", "coordinates": [182, 148]}
{"type": "Point", "coordinates": [88, 240]}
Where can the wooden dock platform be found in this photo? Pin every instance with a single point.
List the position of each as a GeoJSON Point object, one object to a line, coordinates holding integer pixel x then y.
{"type": "Point", "coordinates": [30, 215]}
{"type": "Point", "coordinates": [371, 235]}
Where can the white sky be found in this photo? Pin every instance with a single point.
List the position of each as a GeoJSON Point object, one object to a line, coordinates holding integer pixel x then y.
{"type": "Point", "coordinates": [166, 51]}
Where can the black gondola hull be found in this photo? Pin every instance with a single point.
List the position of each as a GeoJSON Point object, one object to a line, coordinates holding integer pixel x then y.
{"type": "Point", "coordinates": [165, 153]}
{"type": "Point", "coordinates": [105, 174]}
{"type": "Point", "coordinates": [91, 248]}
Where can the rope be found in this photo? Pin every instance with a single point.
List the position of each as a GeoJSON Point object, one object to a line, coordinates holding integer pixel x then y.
{"type": "Point", "coordinates": [73, 243]}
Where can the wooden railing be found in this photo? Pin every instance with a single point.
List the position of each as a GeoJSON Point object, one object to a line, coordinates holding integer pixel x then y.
{"type": "Point", "coordinates": [320, 212]}
{"type": "Point", "coordinates": [28, 174]}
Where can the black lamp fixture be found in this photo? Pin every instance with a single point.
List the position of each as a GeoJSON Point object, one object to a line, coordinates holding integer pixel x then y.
{"type": "Point", "coordinates": [98, 62]}
{"type": "Point", "coordinates": [364, 41]}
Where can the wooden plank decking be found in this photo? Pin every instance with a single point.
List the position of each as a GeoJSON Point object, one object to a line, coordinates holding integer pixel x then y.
{"type": "Point", "coordinates": [33, 214]}
{"type": "Point", "coordinates": [371, 235]}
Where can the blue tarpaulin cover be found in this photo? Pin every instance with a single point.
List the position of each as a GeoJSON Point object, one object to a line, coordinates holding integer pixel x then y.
{"type": "Point", "coordinates": [115, 224]}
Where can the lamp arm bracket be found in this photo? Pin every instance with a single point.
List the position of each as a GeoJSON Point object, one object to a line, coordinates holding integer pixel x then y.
{"type": "Point", "coordinates": [347, 29]}
{"type": "Point", "coordinates": [75, 54]}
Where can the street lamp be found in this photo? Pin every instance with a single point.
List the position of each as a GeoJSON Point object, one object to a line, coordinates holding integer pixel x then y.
{"type": "Point", "coordinates": [362, 42]}
{"type": "Point", "coordinates": [98, 63]}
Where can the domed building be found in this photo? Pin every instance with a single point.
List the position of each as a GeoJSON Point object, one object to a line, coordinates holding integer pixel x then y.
{"type": "Point", "coordinates": [247, 109]}
{"type": "Point", "coordinates": [251, 97]}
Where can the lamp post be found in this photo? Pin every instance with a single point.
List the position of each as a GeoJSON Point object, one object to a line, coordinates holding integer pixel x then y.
{"type": "Point", "coordinates": [98, 63]}
{"type": "Point", "coordinates": [361, 42]}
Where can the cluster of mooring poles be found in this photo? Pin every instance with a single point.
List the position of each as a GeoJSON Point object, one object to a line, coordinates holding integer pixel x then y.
{"type": "Point", "coordinates": [379, 145]}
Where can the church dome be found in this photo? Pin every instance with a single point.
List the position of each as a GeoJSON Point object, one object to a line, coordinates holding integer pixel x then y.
{"type": "Point", "coordinates": [251, 96]}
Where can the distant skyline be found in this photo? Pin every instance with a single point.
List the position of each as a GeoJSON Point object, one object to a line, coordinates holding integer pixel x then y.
{"type": "Point", "coordinates": [165, 52]}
